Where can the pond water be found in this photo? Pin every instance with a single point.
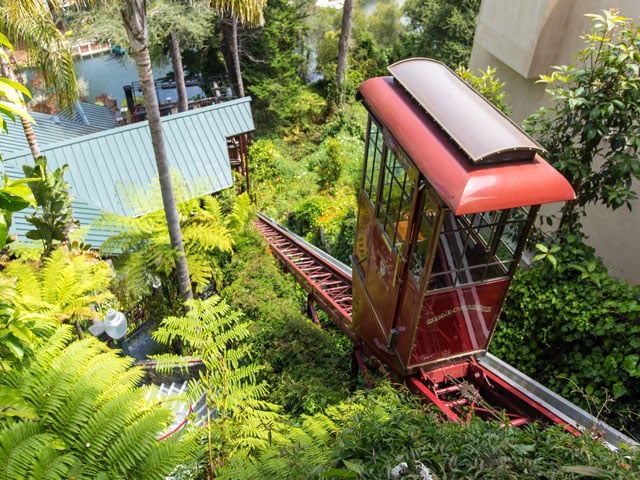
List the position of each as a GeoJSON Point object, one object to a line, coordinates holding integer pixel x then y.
{"type": "Point", "coordinates": [108, 74]}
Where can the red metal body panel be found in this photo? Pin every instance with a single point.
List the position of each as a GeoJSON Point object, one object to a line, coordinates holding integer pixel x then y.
{"type": "Point", "coordinates": [463, 186]}
{"type": "Point", "coordinates": [457, 322]}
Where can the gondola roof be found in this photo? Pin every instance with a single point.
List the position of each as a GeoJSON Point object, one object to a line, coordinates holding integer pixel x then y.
{"type": "Point", "coordinates": [476, 158]}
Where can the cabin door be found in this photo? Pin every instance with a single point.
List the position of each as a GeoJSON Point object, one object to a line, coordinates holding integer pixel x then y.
{"type": "Point", "coordinates": [385, 226]}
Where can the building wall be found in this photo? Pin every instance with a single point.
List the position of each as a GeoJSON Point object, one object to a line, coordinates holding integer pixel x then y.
{"type": "Point", "coordinates": [522, 39]}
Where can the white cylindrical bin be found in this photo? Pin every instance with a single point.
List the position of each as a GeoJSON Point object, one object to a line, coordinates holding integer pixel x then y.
{"type": "Point", "coordinates": [115, 324]}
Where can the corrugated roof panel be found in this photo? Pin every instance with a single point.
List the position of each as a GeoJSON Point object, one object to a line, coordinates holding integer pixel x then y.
{"type": "Point", "coordinates": [196, 146]}
{"type": "Point", "coordinates": [90, 114]}
{"type": "Point", "coordinates": [48, 130]}
{"type": "Point", "coordinates": [83, 213]}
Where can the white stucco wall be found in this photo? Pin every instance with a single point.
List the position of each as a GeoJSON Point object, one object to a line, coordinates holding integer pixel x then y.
{"type": "Point", "coordinates": [522, 39]}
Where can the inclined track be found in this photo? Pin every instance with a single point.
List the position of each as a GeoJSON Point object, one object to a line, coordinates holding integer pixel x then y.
{"type": "Point", "coordinates": [325, 279]}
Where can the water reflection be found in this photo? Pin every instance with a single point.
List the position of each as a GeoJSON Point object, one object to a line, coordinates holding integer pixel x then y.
{"type": "Point", "coordinates": [107, 74]}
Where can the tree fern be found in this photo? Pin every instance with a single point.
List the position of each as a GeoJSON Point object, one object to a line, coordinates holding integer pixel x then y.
{"type": "Point", "coordinates": [68, 285]}
{"type": "Point", "coordinates": [241, 422]}
{"type": "Point", "coordinates": [93, 421]}
{"type": "Point", "coordinates": [142, 251]}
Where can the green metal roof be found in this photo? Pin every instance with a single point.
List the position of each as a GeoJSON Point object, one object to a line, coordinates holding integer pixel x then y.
{"type": "Point", "coordinates": [85, 113]}
{"type": "Point", "coordinates": [101, 164]}
{"type": "Point", "coordinates": [48, 129]}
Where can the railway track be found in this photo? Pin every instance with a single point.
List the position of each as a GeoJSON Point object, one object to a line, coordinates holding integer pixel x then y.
{"type": "Point", "coordinates": [326, 280]}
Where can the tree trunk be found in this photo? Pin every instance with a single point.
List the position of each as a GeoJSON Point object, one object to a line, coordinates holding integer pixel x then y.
{"type": "Point", "coordinates": [178, 71]}
{"type": "Point", "coordinates": [236, 55]}
{"type": "Point", "coordinates": [134, 19]}
{"type": "Point", "coordinates": [7, 72]}
{"type": "Point", "coordinates": [343, 49]}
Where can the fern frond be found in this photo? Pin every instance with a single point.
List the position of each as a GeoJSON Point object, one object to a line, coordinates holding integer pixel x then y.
{"type": "Point", "coordinates": [20, 445]}
{"type": "Point", "coordinates": [167, 363]}
{"type": "Point", "coordinates": [213, 208]}
{"type": "Point", "coordinates": [106, 423]}
{"type": "Point", "coordinates": [241, 213]}
{"type": "Point", "coordinates": [202, 271]}
{"type": "Point", "coordinates": [26, 279]}
{"type": "Point", "coordinates": [162, 458]}
{"type": "Point", "coordinates": [207, 237]}
{"type": "Point", "coordinates": [143, 432]}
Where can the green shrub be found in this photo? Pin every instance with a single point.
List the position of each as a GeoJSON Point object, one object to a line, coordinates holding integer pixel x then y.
{"type": "Point", "coordinates": [369, 435]}
{"type": "Point", "coordinates": [278, 182]}
{"type": "Point", "coordinates": [306, 367]}
{"type": "Point", "coordinates": [329, 166]}
{"type": "Point", "coordinates": [576, 330]}
{"type": "Point", "coordinates": [306, 218]}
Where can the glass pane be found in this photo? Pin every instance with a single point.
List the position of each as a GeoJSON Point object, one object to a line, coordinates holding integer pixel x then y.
{"type": "Point", "coordinates": [374, 157]}
{"type": "Point", "coordinates": [421, 250]}
{"type": "Point", "coordinates": [476, 248]}
{"type": "Point", "coordinates": [398, 187]}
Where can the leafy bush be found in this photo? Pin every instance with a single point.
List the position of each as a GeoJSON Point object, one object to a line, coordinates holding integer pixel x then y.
{"type": "Point", "coordinates": [576, 330]}
{"type": "Point", "coordinates": [375, 431]}
{"type": "Point", "coordinates": [305, 219]}
{"type": "Point", "coordinates": [277, 181]}
{"type": "Point", "coordinates": [329, 166]}
{"type": "Point", "coordinates": [304, 365]}
{"type": "Point", "coordinates": [350, 120]}
{"type": "Point", "coordinates": [488, 85]}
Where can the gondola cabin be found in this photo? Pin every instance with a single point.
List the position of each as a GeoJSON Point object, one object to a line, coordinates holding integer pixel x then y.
{"type": "Point", "coordinates": [449, 191]}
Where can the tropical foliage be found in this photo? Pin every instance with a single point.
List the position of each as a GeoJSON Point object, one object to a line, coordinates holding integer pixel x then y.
{"type": "Point", "coordinates": [13, 107]}
{"type": "Point", "coordinates": [20, 332]}
{"type": "Point", "coordinates": [33, 26]}
{"type": "Point", "coordinates": [576, 330]}
{"type": "Point", "coordinates": [591, 130]}
{"type": "Point", "coordinates": [375, 433]}
{"type": "Point", "coordinates": [488, 85]}
{"type": "Point", "coordinates": [69, 285]}
{"type": "Point", "coordinates": [142, 252]}
{"type": "Point", "coordinates": [51, 193]}
{"type": "Point", "coordinates": [14, 194]}
{"type": "Point", "coordinates": [240, 422]}
{"type": "Point", "coordinates": [82, 416]}
{"type": "Point", "coordinates": [306, 368]}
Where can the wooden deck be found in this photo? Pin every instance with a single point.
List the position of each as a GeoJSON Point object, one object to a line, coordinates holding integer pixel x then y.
{"type": "Point", "coordinates": [89, 49]}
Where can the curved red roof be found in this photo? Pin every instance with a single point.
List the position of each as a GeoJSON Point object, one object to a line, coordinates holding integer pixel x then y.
{"type": "Point", "coordinates": [466, 187]}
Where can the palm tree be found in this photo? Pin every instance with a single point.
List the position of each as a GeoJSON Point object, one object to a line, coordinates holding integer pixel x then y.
{"type": "Point", "coordinates": [343, 49]}
{"type": "Point", "coordinates": [135, 23]}
{"type": "Point", "coordinates": [31, 24]}
{"type": "Point", "coordinates": [248, 12]}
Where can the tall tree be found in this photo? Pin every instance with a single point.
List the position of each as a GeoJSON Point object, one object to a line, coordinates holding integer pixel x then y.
{"type": "Point", "coordinates": [31, 24]}
{"type": "Point", "coordinates": [343, 49]}
{"type": "Point", "coordinates": [245, 12]}
{"type": "Point", "coordinates": [135, 22]}
{"type": "Point", "coordinates": [441, 29]}
{"type": "Point", "coordinates": [173, 25]}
